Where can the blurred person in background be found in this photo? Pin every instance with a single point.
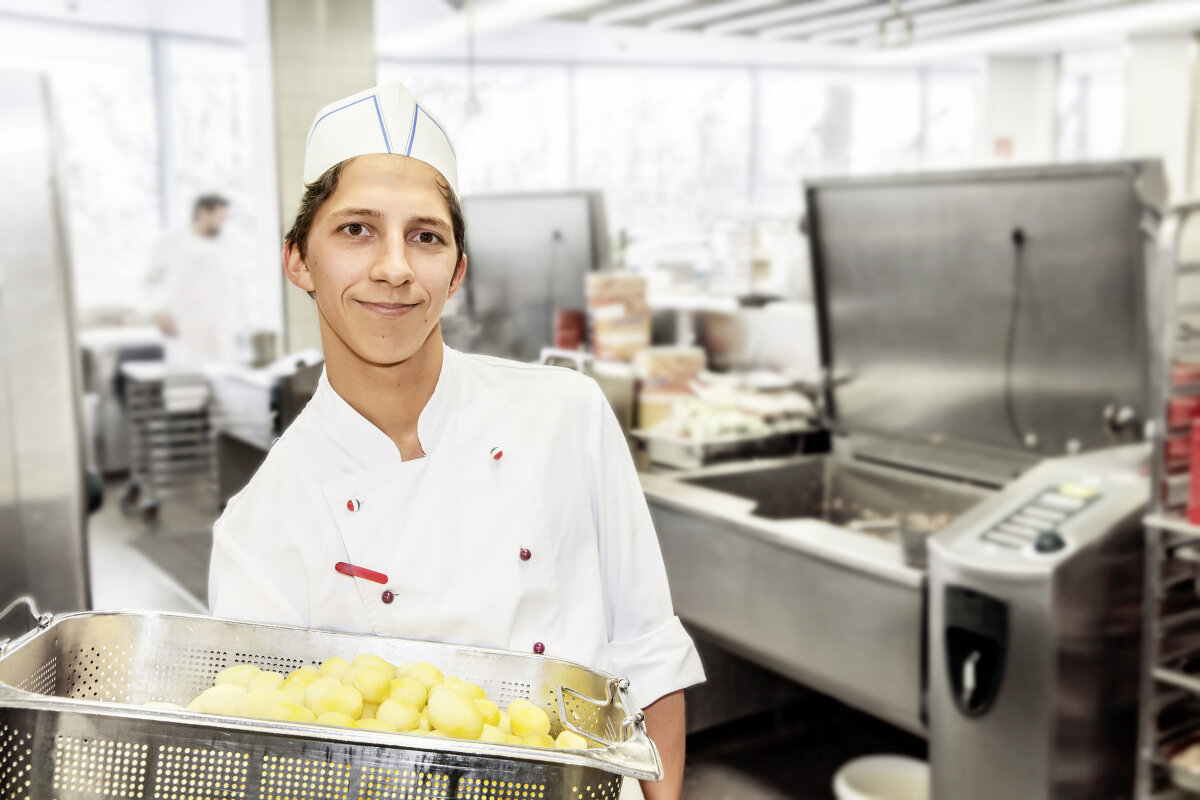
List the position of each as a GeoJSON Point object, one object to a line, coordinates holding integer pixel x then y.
{"type": "Point", "coordinates": [193, 288]}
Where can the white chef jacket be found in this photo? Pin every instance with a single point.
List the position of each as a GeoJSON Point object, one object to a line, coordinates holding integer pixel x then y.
{"type": "Point", "coordinates": [193, 279]}
{"type": "Point", "coordinates": [548, 547]}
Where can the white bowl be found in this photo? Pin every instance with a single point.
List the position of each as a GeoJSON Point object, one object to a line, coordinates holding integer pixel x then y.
{"type": "Point", "coordinates": [882, 778]}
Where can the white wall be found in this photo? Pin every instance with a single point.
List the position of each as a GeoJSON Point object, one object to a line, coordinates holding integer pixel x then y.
{"type": "Point", "coordinates": [1019, 100]}
{"type": "Point", "coordinates": [1161, 86]}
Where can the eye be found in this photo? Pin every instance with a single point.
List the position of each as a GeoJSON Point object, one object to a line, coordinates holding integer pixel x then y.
{"type": "Point", "coordinates": [355, 229]}
{"type": "Point", "coordinates": [428, 237]}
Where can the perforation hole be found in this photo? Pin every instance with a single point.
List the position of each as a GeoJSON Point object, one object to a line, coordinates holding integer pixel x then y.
{"type": "Point", "coordinates": [605, 790]}
{"type": "Point", "coordinates": [379, 783]}
{"type": "Point", "coordinates": [179, 674]}
{"type": "Point", "coordinates": [99, 766]}
{"type": "Point", "coordinates": [585, 716]}
{"type": "Point", "coordinates": [272, 663]}
{"type": "Point", "coordinates": [42, 679]}
{"type": "Point", "coordinates": [186, 773]}
{"type": "Point", "coordinates": [16, 763]}
{"type": "Point", "coordinates": [303, 779]}
{"type": "Point", "coordinates": [102, 672]}
{"type": "Point", "coordinates": [492, 789]}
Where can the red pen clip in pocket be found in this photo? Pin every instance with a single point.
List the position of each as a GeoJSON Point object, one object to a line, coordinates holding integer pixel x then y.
{"type": "Point", "coordinates": [360, 572]}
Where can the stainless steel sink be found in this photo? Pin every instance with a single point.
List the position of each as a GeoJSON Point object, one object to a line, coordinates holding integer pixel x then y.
{"type": "Point", "coordinates": [841, 493]}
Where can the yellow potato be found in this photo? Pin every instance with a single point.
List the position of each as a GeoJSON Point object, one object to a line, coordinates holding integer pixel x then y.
{"type": "Point", "coordinates": [369, 710]}
{"type": "Point", "coordinates": [454, 715]}
{"type": "Point", "coordinates": [164, 705]}
{"type": "Point", "coordinates": [216, 699]}
{"type": "Point", "coordinates": [319, 688]}
{"type": "Point", "coordinates": [490, 712]}
{"type": "Point", "coordinates": [299, 680]}
{"type": "Point", "coordinates": [570, 741]}
{"type": "Point", "coordinates": [527, 719]}
{"type": "Point", "coordinates": [438, 734]}
{"type": "Point", "coordinates": [373, 683]}
{"type": "Point", "coordinates": [493, 734]}
{"type": "Point", "coordinates": [336, 719]}
{"type": "Point", "coordinates": [344, 699]}
{"type": "Point", "coordinates": [505, 723]}
{"type": "Point", "coordinates": [368, 660]}
{"type": "Point", "coordinates": [287, 711]}
{"type": "Point", "coordinates": [423, 671]}
{"type": "Point", "coordinates": [374, 725]}
{"type": "Point", "coordinates": [467, 689]}
{"type": "Point", "coordinates": [334, 667]}
{"type": "Point", "coordinates": [403, 716]}
{"type": "Point", "coordinates": [265, 680]}
{"type": "Point", "coordinates": [423, 726]}
{"type": "Point", "coordinates": [238, 674]}
{"type": "Point", "coordinates": [409, 690]}
{"type": "Point", "coordinates": [513, 739]}
{"type": "Point", "coordinates": [256, 704]}
{"type": "Point", "coordinates": [537, 740]}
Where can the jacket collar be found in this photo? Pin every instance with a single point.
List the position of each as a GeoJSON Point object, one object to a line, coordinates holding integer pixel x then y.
{"type": "Point", "coordinates": [367, 444]}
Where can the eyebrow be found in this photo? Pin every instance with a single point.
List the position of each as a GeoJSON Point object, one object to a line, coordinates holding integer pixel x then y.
{"type": "Point", "coordinates": [356, 212]}
{"type": "Point", "coordinates": [432, 222]}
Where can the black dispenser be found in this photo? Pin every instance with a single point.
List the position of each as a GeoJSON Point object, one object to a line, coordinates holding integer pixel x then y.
{"type": "Point", "coordinates": [976, 646]}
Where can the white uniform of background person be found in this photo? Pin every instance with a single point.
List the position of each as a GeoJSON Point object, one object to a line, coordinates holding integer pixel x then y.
{"type": "Point", "coordinates": [192, 282]}
{"type": "Point", "coordinates": [523, 527]}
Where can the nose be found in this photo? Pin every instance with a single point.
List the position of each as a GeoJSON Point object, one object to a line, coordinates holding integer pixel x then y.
{"type": "Point", "coordinates": [392, 266]}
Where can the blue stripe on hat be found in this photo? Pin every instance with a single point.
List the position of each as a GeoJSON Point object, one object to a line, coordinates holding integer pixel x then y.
{"type": "Point", "coordinates": [378, 113]}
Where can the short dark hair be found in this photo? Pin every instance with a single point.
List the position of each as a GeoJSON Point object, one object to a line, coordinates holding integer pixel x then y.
{"type": "Point", "coordinates": [208, 202]}
{"type": "Point", "coordinates": [320, 190]}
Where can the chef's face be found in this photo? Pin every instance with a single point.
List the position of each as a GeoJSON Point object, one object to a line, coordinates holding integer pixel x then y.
{"type": "Point", "coordinates": [381, 260]}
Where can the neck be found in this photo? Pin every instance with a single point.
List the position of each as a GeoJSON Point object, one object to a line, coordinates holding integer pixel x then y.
{"type": "Point", "coordinates": [389, 396]}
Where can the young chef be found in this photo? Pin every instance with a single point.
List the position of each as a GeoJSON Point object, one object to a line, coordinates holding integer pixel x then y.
{"type": "Point", "coordinates": [434, 495]}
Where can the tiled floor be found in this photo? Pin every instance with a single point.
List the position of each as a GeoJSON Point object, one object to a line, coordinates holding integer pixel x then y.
{"type": "Point", "coordinates": [791, 752]}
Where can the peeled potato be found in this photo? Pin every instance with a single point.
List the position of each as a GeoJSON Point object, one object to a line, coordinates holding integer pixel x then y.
{"type": "Point", "coordinates": [369, 660]}
{"type": "Point", "coordinates": [373, 683]}
{"type": "Point", "coordinates": [401, 715]}
{"type": "Point", "coordinates": [336, 719]}
{"type": "Point", "coordinates": [265, 680]}
{"type": "Point", "coordinates": [374, 725]}
{"type": "Point", "coordinates": [454, 715]}
{"type": "Point", "coordinates": [490, 712]}
{"type": "Point", "coordinates": [424, 672]}
{"type": "Point", "coordinates": [238, 674]}
{"type": "Point", "coordinates": [570, 741]}
{"type": "Point", "coordinates": [216, 699]}
{"type": "Point", "coordinates": [256, 704]}
{"type": "Point", "coordinates": [334, 667]}
{"type": "Point", "coordinates": [410, 690]}
{"type": "Point", "coordinates": [493, 734]}
{"type": "Point", "coordinates": [344, 700]}
{"type": "Point", "coordinates": [537, 740]}
{"type": "Point", "coordinates": [505, 723]}
{"type": "Point", "coordinates": [319, 688]}
{"type": "Point", "coordinates": [527, 719]}
{"type": "Point", "coordinates": [369, 710]}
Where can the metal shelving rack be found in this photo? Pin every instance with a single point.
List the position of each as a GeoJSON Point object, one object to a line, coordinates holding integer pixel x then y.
{"type": "Point", "coordinates": [1170, 691]}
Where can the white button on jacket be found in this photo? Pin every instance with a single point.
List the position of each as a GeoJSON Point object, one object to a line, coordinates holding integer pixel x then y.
{"type": "Point", "coordinates": [448, 530]}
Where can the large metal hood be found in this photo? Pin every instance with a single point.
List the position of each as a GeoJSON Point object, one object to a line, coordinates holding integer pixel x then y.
{"type": "Point", "coordinates": [974, 323]}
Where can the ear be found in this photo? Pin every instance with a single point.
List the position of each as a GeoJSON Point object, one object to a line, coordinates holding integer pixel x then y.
{"type": "Point", "coordinates": [460, 273]}
{"type": "Point", "coordinates": [295, 268]}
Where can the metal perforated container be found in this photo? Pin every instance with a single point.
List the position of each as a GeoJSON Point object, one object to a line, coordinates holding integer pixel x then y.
{"type": "Point", "coordinates": [72, 724]}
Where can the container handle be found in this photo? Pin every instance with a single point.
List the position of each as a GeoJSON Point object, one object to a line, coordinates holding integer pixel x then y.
{"type": "Point", "coordinates": [636, 754]}
{"type": "Point", "coordinates": [43, 620]}
{"type": "Point", "coordinates": [630, 726]}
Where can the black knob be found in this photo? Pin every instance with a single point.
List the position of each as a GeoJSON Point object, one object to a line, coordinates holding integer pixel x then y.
{"type": "Point", "coordinates": [1049, 542]}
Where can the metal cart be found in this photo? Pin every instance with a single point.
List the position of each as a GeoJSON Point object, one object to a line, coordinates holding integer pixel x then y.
{"type": "Point", "coordinates": [171, 439]}
{"type": "Point", "coordinates": [1170, 693]}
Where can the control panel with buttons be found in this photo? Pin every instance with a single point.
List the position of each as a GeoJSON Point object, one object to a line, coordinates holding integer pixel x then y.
{"type": "Point", "coordinates": [1035, 524]}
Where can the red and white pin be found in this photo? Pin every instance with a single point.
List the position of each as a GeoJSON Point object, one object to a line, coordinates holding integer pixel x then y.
{"type": "Point", "coordinates": [353, 505]}
{"type": "Point", "coordinates": [496, 453]}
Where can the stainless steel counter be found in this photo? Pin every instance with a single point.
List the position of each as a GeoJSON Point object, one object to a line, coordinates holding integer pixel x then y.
{"type": "Point", "coordinates": [835, 609]}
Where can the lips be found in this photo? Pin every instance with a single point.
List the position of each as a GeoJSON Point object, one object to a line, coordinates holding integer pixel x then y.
{"type": "Point", "coordinates": [388, 309]}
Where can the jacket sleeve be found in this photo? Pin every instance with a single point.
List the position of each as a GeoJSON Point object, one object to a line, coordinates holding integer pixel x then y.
{"type": "Point", "coordinates": [647, 642]}
{"type": "Point", "coordinates": [241, 587]}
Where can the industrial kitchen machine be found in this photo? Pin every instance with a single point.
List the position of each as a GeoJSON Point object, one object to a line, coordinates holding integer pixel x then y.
{"type": "Point", "coordinates": [985, 340]}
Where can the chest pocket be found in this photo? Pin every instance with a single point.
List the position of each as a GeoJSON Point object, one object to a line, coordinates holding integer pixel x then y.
{"type": "Point", "coordinates": [448, 531]}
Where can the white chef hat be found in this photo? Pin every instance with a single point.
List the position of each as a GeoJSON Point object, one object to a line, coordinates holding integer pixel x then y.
{"type": "Point", "coordinates": [384, 119]}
